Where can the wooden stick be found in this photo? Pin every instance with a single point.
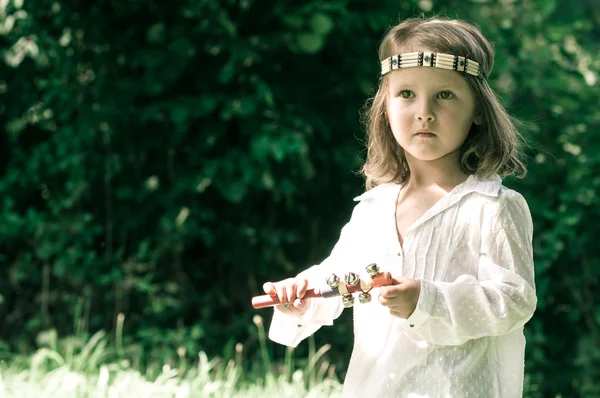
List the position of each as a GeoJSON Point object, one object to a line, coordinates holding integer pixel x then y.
{"type": "Point", "coordinates": [378, 280]}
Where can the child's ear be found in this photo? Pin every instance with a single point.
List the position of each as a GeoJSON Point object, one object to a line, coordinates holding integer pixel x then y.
{"type": "Point", "coordinates": [478, 119]}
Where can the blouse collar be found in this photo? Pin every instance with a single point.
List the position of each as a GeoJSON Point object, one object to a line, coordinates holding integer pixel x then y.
{"type": "Point", "coordinates": [489, 186]}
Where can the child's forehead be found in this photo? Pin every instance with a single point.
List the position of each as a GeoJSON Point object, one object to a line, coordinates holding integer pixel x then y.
{"type": "Point", "coordinates": [426, 76]}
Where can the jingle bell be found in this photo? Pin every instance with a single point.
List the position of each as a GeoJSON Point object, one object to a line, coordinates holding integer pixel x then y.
{"type": "Point", "coordinates": [364, 298]}
{"type": "Point", "coordinates": [351, 279]}
{"type": "Point", "coordinates": [372, 269]}
{"type": "Point", "coordinates": [333, 281]}
{"type": "Point", "coordinates": [347, 300]}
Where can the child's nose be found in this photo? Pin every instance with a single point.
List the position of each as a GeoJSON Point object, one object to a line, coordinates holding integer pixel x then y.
{"type": "Point", "coordinates": [425, 112]}
{"type": "Point", "coordinates": [425, 115]}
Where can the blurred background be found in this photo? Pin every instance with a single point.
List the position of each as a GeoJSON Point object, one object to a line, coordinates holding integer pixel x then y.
{"type": "Point", "coordinates": [160, 160]}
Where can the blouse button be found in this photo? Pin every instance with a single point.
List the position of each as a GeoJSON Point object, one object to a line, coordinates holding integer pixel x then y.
{"type": "Point", "coordinates": [399, 254]}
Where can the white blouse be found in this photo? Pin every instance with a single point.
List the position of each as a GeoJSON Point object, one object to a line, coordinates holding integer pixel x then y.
{"type": "Point", "coordinates": [472, 252]}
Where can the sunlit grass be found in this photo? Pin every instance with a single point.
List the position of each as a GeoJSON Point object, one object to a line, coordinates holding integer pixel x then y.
{"type": "Point", "coordinates": [76, 367]}
{"type": "Point", "coordinates": [92, 368]}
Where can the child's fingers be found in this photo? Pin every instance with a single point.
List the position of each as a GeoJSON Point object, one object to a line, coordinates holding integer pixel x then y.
{"type": "Point", "coordinates": [288, 292]}
{"type": "Point", "coordinates": [301, 304]}
{"type": "Point", "coordinates": [391, 303]}
{"type": "Point", "coordinates": [397, 281]}
{"type": "Point", "coordinates": [394, 304]}
{"type": "Point", "coordinates": [291, 292]}
{"type": "Point", "coordinates": [392, 296]}
{"type": "Point", "coordinates": [385, 301]}
{"type": "Point", "coordinates": [281, 293]}
{"type": "Point", "coordinates": [398, 288]}
{"type": "Point", "coordinates": [302, 287]}
{"type": "Point", "coordinates": [269, 289]}
{"type": "Point", "coordinates": [401, 299]}
{"type": "Point", "coordinates": [390, 292]}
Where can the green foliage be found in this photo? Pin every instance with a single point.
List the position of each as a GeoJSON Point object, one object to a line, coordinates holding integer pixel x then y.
{"type": "Point", "coordinates": [76, 367]}
{"type": "Point", "coordinates": [162, 160]}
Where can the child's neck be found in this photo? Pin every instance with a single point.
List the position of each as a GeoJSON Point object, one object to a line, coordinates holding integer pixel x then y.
{"type": "Point", "coordinates": [440, 173]}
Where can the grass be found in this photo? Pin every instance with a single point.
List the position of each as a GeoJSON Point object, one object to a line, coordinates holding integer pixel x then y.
{"type": "Point", "coordinates": [75, 367]}
{"type": "Point", "coordinates": [92, 368]}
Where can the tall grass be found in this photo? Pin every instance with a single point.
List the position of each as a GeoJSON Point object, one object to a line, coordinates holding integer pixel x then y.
{"type": "Point", "coordinates": [73, 367]}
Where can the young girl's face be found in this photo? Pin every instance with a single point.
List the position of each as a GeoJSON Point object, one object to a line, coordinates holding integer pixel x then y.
{"type": "Point", "coordinates": [430, 111]}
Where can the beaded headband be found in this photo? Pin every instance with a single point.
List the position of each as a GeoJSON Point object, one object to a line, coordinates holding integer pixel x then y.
{"type": "Point", "coordinates": [435, 60]}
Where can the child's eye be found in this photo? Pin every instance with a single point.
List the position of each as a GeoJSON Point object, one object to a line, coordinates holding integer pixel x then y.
{"type": "Point", "coordinates": [406, 94]}
{"type": "Point", "coordinates": [445, 95]}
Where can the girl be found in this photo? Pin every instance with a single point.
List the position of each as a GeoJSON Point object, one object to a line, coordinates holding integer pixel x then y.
{"type": "Point", "coordinates": [436, 216]}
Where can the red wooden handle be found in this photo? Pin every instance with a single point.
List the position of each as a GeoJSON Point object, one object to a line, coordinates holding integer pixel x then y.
{"type": "Point", "coordinates": [265, 300]}
{"type": "Point", "coordinates": [381, 279]}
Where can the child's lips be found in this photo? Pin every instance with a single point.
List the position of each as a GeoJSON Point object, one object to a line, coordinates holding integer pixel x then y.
{"type": "Point", "coordinates": [425, 134]}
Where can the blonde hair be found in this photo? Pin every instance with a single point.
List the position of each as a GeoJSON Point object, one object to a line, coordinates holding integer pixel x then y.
{"type": "Point", "coordinates": [492, 147]}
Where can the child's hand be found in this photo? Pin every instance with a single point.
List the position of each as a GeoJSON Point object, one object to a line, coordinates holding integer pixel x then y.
{"type": "Point", "coordinates": [401, 297]}
{"type": "Point", "coordinates": [290, 293]}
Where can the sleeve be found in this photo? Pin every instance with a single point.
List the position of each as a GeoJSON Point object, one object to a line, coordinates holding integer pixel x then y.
{"type": "Point", "coordinates": [500, 299]}
{"type": "Point", "coordinates": [290, 330]}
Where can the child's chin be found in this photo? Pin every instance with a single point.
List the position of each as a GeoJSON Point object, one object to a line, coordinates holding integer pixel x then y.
{"type": "Point", "coordinates": [427, 156]}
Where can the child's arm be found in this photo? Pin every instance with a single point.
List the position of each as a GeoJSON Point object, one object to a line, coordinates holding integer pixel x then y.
{"type": "Point", "coordinates": [502, 296]}
{"type": "Point", "coordinates": [289, 327]}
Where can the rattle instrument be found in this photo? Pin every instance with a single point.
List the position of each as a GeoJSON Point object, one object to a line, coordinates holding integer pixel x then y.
{"type": "Point", "coordinates": [350, 287]}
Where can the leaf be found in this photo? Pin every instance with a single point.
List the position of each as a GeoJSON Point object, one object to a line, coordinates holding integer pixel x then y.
{"type": "Point", "coordinates": [321, 24]}
{"type": "Point", "coordinates": [234, 192]}
{"type": "Point", "coordinates": [206, 104]}
{"type": "Point", "coordinates": [227, 71]}
{"type": "Point", "coordinates": [309, 42]}
{"type": "Point", "coordinates": [547, 7]}
{"type": "Point", "coordinates": [179, 114]}
{"type": "Point", "coordinates": [293, 21]}
{"type": "Point", "coordinates": [156, 33]}
{"type": "Point", "coordinates": [267, 181]}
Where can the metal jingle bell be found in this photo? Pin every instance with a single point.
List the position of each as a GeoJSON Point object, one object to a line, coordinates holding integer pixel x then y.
{"type": "Point", "coordinates": [333, 281]}
{"type": "Point", "coordinates": [347, 300]}
{"type": "Point", "coordinates": [372, 269]}
{"type": "Point", "coordinates": [364, 298]}
{"type": "Point", "coordinates": [351, 279]}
